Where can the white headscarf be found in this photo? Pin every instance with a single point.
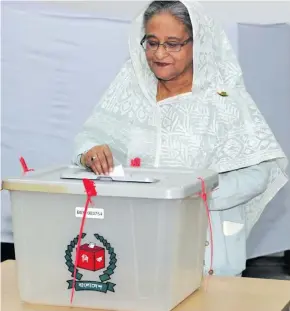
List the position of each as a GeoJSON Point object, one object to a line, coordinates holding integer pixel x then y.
{"type": "Point", "coordinates": [197, 130]}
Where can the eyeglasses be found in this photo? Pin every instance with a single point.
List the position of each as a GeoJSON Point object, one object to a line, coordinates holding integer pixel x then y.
{"type": "Point", "coordinates": [153, 45]}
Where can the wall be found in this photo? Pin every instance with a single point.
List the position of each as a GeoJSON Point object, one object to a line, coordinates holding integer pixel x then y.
{"type": "Point", "coordinates": [225, 11]}
{"type": "Point", "coordinates": [57, 61]}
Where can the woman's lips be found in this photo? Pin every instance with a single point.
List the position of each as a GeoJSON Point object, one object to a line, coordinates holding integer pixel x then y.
{"type": "Point", "coordinates": [159, 64]}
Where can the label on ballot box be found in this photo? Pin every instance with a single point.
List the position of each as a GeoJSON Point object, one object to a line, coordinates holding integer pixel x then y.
{"type": "Point", "coordinates": [96, 213]}
{"type": "Point", "coordinates": [99, 260]}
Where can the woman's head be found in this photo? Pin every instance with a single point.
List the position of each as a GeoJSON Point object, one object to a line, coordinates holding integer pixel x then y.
{"type": "Point", "coordinates": [168, 23]}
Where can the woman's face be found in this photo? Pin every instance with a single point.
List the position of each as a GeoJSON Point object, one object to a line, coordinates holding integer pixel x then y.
{"type": "Point", "coordinates": [168, 65]}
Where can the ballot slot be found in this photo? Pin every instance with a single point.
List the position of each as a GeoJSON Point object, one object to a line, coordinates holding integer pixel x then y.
{"type": "Point", "coordinates": [128, 179]}
{"type": "Point", "coordinates": [104, 178]}
{"type": "Point", "coordinates": [125, 177]}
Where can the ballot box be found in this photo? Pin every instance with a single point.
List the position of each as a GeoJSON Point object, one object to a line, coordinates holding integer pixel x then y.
{"type": "Point", "coordinates": [142, 244]}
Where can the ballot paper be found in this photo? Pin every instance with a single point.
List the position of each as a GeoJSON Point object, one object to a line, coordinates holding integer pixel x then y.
{"type": "Point", "coordinates": [118, 171]}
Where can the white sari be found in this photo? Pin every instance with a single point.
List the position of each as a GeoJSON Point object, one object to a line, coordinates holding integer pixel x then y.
{"type": "Point", "coordinates": [200, 129]}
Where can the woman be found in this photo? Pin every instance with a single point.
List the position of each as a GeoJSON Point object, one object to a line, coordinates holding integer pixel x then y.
{"type": "Point", "coordinates": [180, 101]}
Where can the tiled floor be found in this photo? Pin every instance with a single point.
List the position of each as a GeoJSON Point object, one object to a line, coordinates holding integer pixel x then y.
{"type": "Point", "coordinates": [268, 268]}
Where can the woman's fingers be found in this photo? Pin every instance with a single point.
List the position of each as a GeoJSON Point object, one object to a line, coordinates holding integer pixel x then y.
{"type": "Point", "coordinates": [103, 162]}
{"type": "Point", "coordinates": [91, 162]}
{"type": "Point", "coordinates": [100, 160]}
{"type": "Point", "coordinates": [109, 157]}
{"type": "Point", "coordinates": [98, 166]}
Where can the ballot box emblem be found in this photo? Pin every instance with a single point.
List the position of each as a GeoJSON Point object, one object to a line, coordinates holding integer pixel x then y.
{"type": "Point", "coordinates": [96, 262]}
{"type": "Point", "coordinates": [91, 257]}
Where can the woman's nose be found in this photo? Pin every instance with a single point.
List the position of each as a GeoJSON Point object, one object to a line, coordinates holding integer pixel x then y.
{"type": "Point", "coordinates": [161, 53]}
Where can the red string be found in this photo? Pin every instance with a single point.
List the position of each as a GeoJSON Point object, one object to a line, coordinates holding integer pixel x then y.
{"type": "Point", "coordinates": [91, 192]}
{"type": "Point", "coordinates": [24, 166]}
{"type": "Point", "coordinates": [136, 162]}
{"type": "Point", "coordinates": [203, 195]}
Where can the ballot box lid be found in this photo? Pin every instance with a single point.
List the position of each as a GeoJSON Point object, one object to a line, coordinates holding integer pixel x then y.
{"type": "Point", "coordinates": [151, 183]}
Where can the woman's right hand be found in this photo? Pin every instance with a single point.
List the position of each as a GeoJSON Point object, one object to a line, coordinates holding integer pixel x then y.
{"type": "Point", "coordinates": [99, 159]}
